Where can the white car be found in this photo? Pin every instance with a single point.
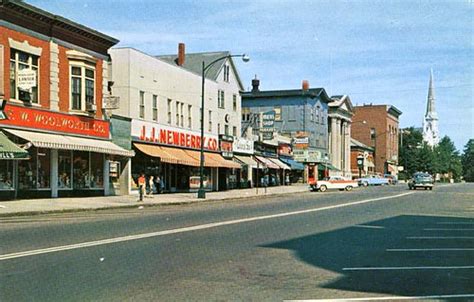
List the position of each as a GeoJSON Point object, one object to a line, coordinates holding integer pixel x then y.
{"type": "Point", "coordinates": [334, 182]}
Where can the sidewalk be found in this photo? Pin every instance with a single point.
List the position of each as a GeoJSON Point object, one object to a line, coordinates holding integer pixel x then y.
{"type": "Point", "coordinates": [51, 205]}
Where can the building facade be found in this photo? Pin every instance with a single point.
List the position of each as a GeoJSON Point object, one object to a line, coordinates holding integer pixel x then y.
{"type": "Point", "coordinates": [377, 126]}
{"type": "Point", "coordinates": [162, 97]}
{"type": "Point", "coordinates": [359, 150]}
{"type": "Point", "coordinates": [301, 114]}
{"type": "Point", "coordinates": [430, 122]}
{"type": "Point", "coordinates": [340, 119]}
{"type": "Point", "coordinates": [54, 88]}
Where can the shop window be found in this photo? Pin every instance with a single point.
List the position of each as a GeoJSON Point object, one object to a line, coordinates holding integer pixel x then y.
{"type": "Point", "coordinates": [82, 86]}
{"type": "Point", "coordinates": [64, 169]}
{"type": "Point", "coordinates": [35, 173]}
{"type": "Point", "coordinates": [6, 175]}
{"type": "Point", "coordinates": [88, 170]}
{"type": "Point", "coordinates": [20, 60]}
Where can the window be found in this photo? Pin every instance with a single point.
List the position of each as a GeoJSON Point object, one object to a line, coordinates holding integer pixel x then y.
{"type": "Point", "coordinates": [155, 108]}
{"type": "Point", "coordinates": [6, 175]}
{"type": "Point", "coordinates": [210, 121]}
{"type": "Point", "coordinates": [277, 113]}
{"type": "Point", "coordinates": [372, 133]}
{"type": "Point", "coordinates": [182, 115]}
{"type": "Point", "coordinates": [64, 169]}
{"type": "Point", "coordinates": [220, 99]}
{"type": "Point", "coordinates": [82, 86]}
{"type": "Point", "coordinates": [218, 128]}
{"type": "Point", "coordinates": [226, 129]}
{"type": "Point", "coordinates": [20, 60]}
{"type": "Point", "coordinates": [169, 111]}
{"type": "Point", "coordinates": [35, 173]}
{"type": "Point", "coordinates": [234, 102]}
{"type": "Point", "coordinates": [245, 114]}
{"type": "Point", "coordinates": [142, 104]}
{"type": "Point", "coordinates": [88, 170]}
{"type": "Point", "coordinates": [226, 73]}
{"type": "Point", "coordinates": [291, 113]}
{"type": "Point", "coordinates": [234, 131]}
{"type": "Point", "coordinates": [312, 114]}
{"type": "Point", "coordinates": [177, 113]}
{"type": "Point", "coordinates": [190, 116]}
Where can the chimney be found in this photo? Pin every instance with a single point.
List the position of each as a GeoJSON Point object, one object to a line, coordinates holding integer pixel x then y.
{"type": "Point", "coordinates": [305, 85]}
{"type": "Point", "coordinates": [255, 84]}
{"type": "Point", "coordinates": [181, 54]}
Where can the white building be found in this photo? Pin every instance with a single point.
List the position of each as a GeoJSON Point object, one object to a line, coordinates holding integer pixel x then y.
{"type": "Point", "coordinates": [162, 96]}
{"type": "Point", "coordinates": [430, 122]}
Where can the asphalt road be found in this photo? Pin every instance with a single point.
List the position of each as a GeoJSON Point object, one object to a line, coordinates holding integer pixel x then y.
{"type": "Point", "coordinates": [371, 242]}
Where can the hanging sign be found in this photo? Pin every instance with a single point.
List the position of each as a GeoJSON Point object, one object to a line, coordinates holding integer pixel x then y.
{"type": "Point", "coordinates": [268, 124]}
{"type": "Point", "coordinates": [26, 79]}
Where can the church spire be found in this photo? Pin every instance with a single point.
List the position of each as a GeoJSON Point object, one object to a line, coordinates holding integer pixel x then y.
{"type": "Point", "coordinates": [430, 106]}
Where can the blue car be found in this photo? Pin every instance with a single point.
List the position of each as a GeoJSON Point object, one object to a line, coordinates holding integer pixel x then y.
{"type": "Point", "coordinates": [373, 180]}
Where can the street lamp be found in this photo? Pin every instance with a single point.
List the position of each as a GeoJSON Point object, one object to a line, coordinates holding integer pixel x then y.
{"type": "Point", "coordinates": [205, 68]}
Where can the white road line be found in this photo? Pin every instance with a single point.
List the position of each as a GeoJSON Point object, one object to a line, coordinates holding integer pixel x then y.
{"type": "Point", "coordinates": [186, 229]}
{"type": "Point", "coordinates": [369, 226]}
{"type": "Point", "coordinates": [393, 298]}
{"type": "Point", "coordinates": [393, 268]}
{"type": "Point", "coordinates": [431, 250]}
{"type": "Point", "coordinates": [436, 229]}
{"type": "Point", "coordinates": [461, 223]}
{"type": "Point", "coordinates": [440, 237]}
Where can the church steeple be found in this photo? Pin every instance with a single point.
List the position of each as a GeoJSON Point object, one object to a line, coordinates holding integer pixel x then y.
{"type": "Point", "coordinates": [430, 106]}
{"type": "Point", "coordinates": [430, 123]}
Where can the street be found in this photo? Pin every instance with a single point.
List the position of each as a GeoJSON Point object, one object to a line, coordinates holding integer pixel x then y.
{"type": "Point", "coordinates": [371, 242]}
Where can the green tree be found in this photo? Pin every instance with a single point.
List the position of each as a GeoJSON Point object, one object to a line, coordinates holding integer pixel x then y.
{"type": "Point", "coordinates": [447, 159]}
{"type": "Point", "coordinates": [468, 161]}
{"type": "Point", "coordinates": [411, 142]}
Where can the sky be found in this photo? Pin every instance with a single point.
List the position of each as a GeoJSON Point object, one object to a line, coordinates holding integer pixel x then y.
{"type": "Point", "coordinates": [378, 52]}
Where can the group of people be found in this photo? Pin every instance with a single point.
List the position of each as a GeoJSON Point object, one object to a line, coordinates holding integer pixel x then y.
{"type": "Point", "coordinates": [149, 185]}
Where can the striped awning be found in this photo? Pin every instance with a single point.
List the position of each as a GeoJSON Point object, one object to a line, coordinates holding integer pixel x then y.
{"type": "Point", "coordinates": [157, 151]}
{"type": "Point", "coordinates": [281, 164]}
{"type": "Point", "coordinates": [267, 162]}
{"type": "Point", "coordinates": [249, 161]}
{"type": "Point", "coordinates": [66, 142]}
{"type": "Point", "coordinates": [9, 150]}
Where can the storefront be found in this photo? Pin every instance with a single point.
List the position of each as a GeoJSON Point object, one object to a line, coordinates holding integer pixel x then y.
{"type": "Point", "coordinates": [173, 155]}
{"type": "Point", "coordinates": [68, 155]}
{"type": "Point", "coordinates": [243, 150]}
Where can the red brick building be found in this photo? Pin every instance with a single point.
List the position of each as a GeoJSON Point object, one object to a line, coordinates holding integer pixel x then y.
{"type": "Point", "coordinates": [54, 80]}
{"type": "Point", "coordinates": [377, 126]}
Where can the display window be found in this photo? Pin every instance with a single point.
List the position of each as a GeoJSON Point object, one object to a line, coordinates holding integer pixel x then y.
{"type": "Point", "coordinates": [35, 173]}
{"type": "Point", "coordinates": [64, 169]}
{"type": "Point", "coordinates": [88, 171]}
{"type": "Point", "coordinates": [6, 175]}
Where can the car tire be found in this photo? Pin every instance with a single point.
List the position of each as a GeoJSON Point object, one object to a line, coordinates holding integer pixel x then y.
{"type": "Point", "coordinates": [349, 188]}
{"type": "Point", "coordinates": [323, 188]}
{"type": "Point", "coordinates": [365, 184]}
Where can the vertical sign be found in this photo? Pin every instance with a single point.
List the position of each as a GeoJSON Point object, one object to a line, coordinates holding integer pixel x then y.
{"type": "Point", "coordinates": [268, 124]}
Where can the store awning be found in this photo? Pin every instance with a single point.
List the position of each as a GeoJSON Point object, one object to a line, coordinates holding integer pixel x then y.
{"type": "Point", "coordinates": [248, 160]}
{"type": "Point", "coordinates": [157, 151]}
{"type": "Point", "coordinates": [293, 164]}
{"type": "Point", "coordinates": [268, 163]}
{"type": "Point", "coordinates": [9, 150]}
{"type": "Point", "coordinates": [279, 163]}
{"type": "Point", "coordinates": [214, 160]}
{"type": "Point", "coordinates": [66, 142]}
{"type": "Point", "coordinates": [328, 166]}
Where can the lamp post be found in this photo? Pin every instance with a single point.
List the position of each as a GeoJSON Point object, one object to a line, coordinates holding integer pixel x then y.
{"type": "Point", "coordinates": [205, 68]}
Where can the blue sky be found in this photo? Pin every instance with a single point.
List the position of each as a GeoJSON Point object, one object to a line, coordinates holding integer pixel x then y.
{"type": "Point", "coordinates": [376, 52]}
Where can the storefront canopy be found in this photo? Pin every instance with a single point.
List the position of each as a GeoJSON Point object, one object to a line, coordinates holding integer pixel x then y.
{"type": "Point", "coordinates": [279, 163]}
{"type": "Point", "coordinates": [328, 166]}
{"type": "Point", "coordinates": [185, 157]}
{"type": "Point", "coordinates": [66, 142]}
{"type": "Point", "coordinates": [9, 150]}
{"type": "Point", "coordinates": [249, 161]}
{"type": "Point", "coordinates": [293, 164]}
{"type": "Point", "coordinates": [267, 162]}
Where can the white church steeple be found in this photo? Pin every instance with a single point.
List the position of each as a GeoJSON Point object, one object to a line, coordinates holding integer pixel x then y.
{"type": "Point", "coordinates": [430, 123]}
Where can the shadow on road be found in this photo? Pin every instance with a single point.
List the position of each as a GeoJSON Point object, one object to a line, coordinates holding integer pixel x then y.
{"type": "Point", "coordinates": [381, 244]}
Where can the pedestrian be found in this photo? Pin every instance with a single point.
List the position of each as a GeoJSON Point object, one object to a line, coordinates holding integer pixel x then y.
{"type": "Point", "coordinates": [158, 184]}
{"type": "Point", "coordinates": [151, 185]}
{"type": "Point", "coordinates": [141, 185]}
{"type": "Point", "coordinates": [287, 179]}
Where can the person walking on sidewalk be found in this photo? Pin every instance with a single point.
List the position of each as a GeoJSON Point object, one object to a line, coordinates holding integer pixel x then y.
{"type": "Point", "coordinates": [141, 185]}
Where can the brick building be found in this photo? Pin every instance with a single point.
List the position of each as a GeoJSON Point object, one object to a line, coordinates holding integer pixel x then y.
{"type": "Point", "coordinates": [54, 82]}
{"type": "Point", "coordinates": [377, 126]}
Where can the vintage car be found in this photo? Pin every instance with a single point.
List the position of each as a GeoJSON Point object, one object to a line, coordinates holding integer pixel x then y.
{"type": "Point", "coordinates": [421, 180]}
{"type": "Point", "coordinates": [373, 180]}
{"type": "Point", "coordinates": [333, 182]}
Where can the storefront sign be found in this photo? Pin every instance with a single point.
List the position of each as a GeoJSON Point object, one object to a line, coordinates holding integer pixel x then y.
{"type": "Point", "coordinates": [242, 145]}
{"type": "Point", "coordinates": [301, 142]}
{"type": "Point", "coordinates": [284, 149]}
{"type": "Point", "coordinates": [226, 145]}
{"type": "Point", "coordinates": [53, 121]}
{"type": "Point", "coordinates": [26, 79]}
{"type": "Point", "coordinates": [167, 135]}
{"type": "Point", "coordinates": [268, 123]}
{"type": "Point", "coordinates": [307, 155]}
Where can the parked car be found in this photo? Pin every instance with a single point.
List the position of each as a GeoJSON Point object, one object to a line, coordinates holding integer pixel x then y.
{"type": "Point", "coordinates": [373, 180]}
{"type": "Point", "coordinates": [392, 179]}
{"type": "Point", "coordinates": [421, 180]}
{"type": "Point", "coordinates": [333, 182]}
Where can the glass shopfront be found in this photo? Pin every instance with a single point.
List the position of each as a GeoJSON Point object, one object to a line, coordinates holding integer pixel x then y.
{"type": "Point", "coordinates": [6, 175]}
{"type": "Point", "coordinates": [35, 173]}
{"type": "Point", "coordinates": [64, 169]}
{"type": "Point", "coordinates": [88, 170]}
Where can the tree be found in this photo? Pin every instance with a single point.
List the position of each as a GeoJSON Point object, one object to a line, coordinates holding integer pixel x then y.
{"type": "Point", "coordinates": [468, 161]}
{"type": "Point", "coordinates": [447, 159]}
{"type": "Point", "coordinates": [412, 140]}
